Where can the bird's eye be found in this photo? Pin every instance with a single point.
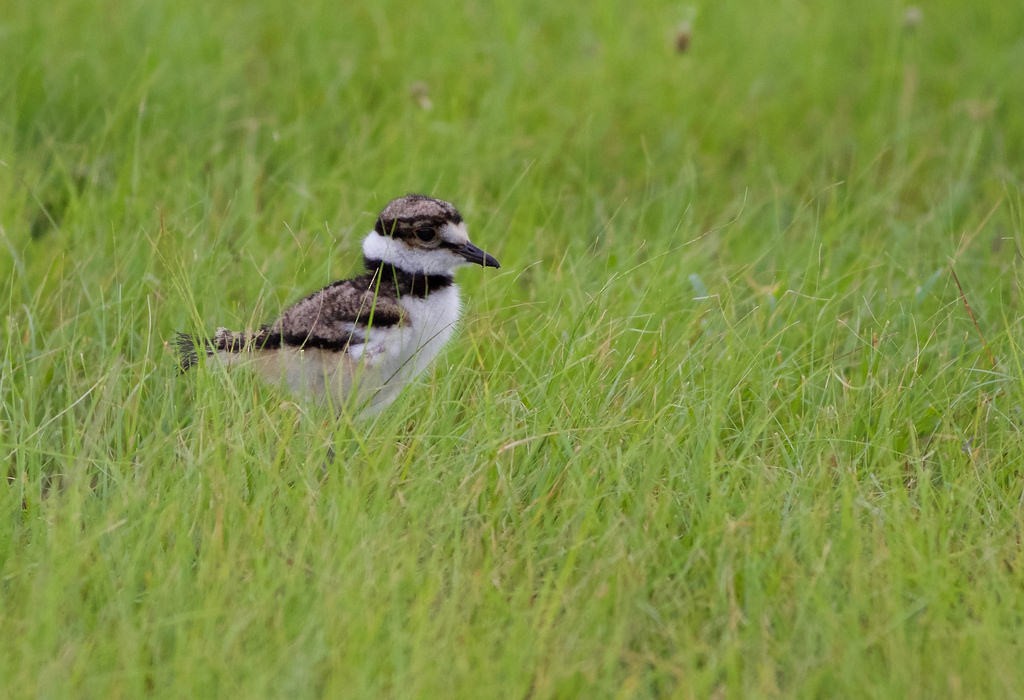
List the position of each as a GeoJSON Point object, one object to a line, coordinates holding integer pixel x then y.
{"type": "Point", "coordinates": [426, 234]}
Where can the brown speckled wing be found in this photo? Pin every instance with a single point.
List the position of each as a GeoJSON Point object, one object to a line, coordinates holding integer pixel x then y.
{"type": "Point", "coordinates": [339, 315]}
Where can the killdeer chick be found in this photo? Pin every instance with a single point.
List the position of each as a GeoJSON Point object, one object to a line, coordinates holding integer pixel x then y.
{"type": "Point", "coordinates": [358, 342]}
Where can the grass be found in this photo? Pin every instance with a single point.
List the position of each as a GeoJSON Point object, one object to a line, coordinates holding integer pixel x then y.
{"type": "Point", "coordinates": [741, 415]}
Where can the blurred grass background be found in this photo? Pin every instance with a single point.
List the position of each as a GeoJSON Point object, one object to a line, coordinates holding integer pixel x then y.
{"type": "Point", "coordinates": [722, 425]}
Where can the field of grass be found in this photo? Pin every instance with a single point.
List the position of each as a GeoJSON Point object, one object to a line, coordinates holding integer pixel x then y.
{"type": "Point", "coordinates": [741, 415]}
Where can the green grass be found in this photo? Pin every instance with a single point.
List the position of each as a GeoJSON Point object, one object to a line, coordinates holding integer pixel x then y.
{"type": "Point", "coordinates": [722, 424]}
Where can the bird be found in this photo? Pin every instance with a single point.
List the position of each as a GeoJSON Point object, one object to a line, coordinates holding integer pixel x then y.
{"type": "Point", "coordinates": [358, 342]}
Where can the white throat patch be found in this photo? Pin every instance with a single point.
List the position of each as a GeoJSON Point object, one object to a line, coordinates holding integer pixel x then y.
{"type": "Point", "coordinates": [436, 261]}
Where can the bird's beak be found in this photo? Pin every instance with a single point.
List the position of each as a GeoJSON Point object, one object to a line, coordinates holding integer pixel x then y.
{"type": "Point", "coordinates": [474, 255]}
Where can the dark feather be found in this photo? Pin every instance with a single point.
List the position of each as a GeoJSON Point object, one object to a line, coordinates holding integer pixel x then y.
{"type": "Point", "coordinates": [188, 357]}
{"type": "Point", "coordinates": [338, 315]}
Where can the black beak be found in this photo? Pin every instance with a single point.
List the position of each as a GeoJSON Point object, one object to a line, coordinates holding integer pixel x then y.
{"type": "Point", "coordinates": [474, 255]}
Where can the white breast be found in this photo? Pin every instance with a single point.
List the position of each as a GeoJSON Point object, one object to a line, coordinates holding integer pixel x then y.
{"type": "Point", "coordinates": [394, 357]}
{"type": "Point", "coordinates": [432, 321]}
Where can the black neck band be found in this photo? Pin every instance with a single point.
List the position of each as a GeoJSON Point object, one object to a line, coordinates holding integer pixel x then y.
{"type": "Point", "coordinates": [415, 284]}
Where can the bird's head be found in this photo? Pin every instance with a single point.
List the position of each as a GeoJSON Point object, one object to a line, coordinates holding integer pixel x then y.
{"type": "Point", "coordinates": [422, 236]}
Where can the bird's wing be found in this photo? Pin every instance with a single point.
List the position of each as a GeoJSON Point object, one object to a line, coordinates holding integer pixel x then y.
{"type": "Point", "coordinates": [338, 316]}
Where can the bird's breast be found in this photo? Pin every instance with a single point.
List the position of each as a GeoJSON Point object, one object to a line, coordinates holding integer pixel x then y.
{"type": "Point", "coordinates": [431, 322]}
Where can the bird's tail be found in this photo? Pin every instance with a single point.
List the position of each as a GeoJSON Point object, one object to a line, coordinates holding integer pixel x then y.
{"type": "Point", "coordinates": [188, 355]}
{"type": "Point", "coordinates": [224, 340]}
